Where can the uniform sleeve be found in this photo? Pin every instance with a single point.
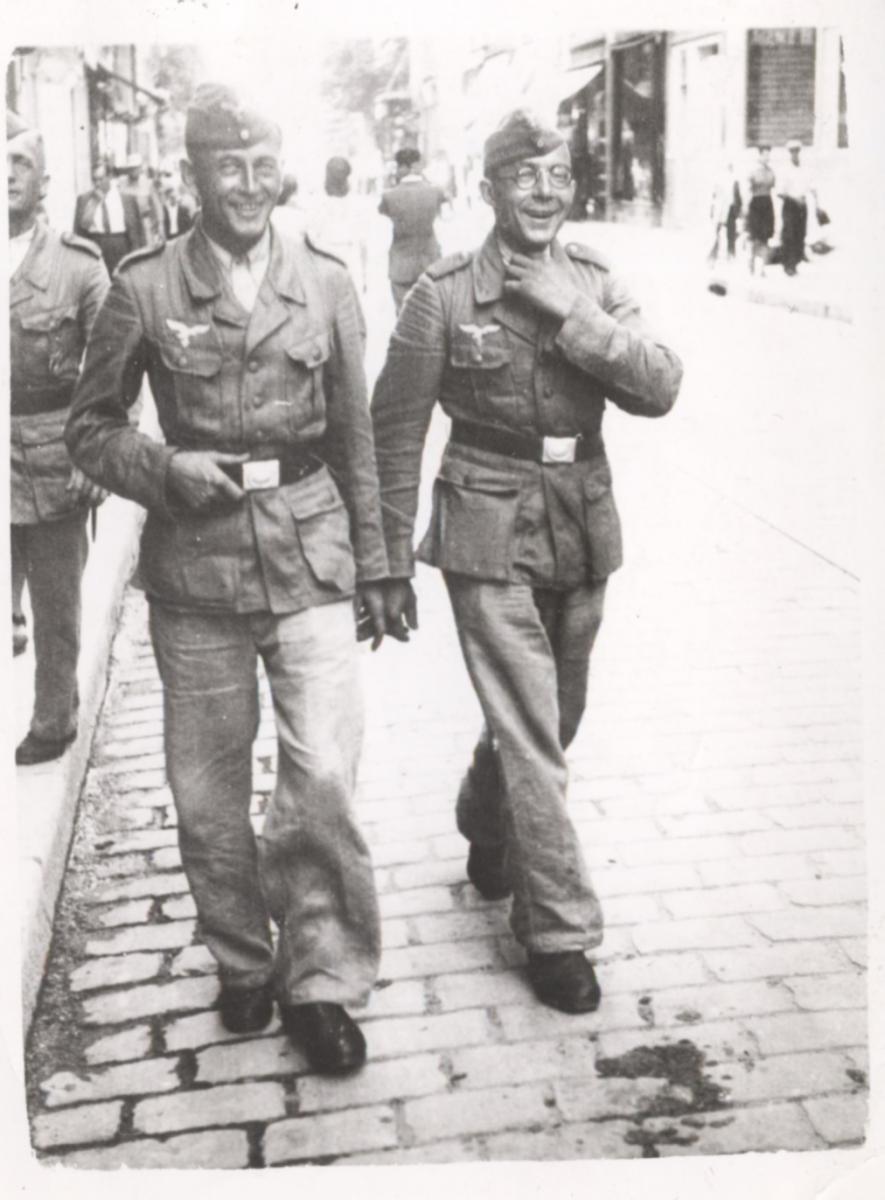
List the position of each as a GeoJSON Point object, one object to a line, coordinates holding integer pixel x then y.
{"type": "Point", "coordinates": [350, 450]}
{"type": "Point", "coordinates": [96, 282]}
{"type": "Point", "coordinates": [610, 341]}
{"type": "Point", "coordinates": [99, 436]}
{"type": "Point", "coordinates": [402, 405]}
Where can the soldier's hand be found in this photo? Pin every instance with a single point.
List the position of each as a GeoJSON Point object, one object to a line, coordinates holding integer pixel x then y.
{"type": "Point", "coordinates": [370, 614]}
{"type": "Point", "coordinates": [84, 489]}
{"type": "Point", "coordinates": [196, 480]}
{"type": "Point", "coordinates": [400, 608]}
{"type": "Point", "coordinates": [542, 283]}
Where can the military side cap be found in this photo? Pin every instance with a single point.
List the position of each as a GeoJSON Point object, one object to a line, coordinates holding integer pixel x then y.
{"type": "Point", "coordinates": [520, 135]}
{"type": "Point", "coordinates": [217, 120]}
{"type": "Point", "coordinates": [15, 125]}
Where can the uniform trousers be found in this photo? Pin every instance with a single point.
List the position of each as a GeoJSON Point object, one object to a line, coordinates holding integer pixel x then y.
{"type": "Point", "coordinates": [527, 651]}
{"type": "Point", "coordinates": [50, 557]}
{"type": "Point", "coordinates": [794, 224]}
{"type": "Point", "coordinates": [310, 869]}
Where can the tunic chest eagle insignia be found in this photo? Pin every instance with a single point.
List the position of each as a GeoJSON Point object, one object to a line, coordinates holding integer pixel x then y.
{"type": "Point", "coordinates": [478, 332]}
{"type": "Point", "coordinates": [184, 333]}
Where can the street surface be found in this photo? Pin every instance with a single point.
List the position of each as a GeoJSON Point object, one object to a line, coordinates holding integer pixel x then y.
{"type": "Point", "coordinates": [716, 784]}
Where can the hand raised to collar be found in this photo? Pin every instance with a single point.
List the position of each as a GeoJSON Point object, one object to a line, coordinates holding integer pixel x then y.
{"type": "Point", "coordinates": [543, 283]}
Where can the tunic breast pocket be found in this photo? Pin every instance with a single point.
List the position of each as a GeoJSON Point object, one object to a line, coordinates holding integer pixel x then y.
{"type": "Point", "coordinates": [304, 373]}
{"type": "Point", "coordinates": [196, 374]}
{"type": "Point", "coordinates": [48, 345]}
{"type": "Point", "coordinates": [480, 360]}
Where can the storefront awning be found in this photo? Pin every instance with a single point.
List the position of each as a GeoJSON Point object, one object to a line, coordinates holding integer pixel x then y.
{"type": "Point", "coordinates": [572, 82]}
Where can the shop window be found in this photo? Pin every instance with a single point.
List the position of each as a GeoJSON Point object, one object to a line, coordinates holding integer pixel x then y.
{"type": "Point", "coordinates": [638, 124]}
{"type": "Point", "coordinates": [780, 85]}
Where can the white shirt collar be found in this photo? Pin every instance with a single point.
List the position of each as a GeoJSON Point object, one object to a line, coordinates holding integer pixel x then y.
{"type": "Point", "coordinates": [255, 258]}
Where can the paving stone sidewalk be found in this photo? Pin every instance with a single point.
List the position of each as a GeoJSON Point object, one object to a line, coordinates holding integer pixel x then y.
{"type": "Point", "coordinates": [716, 787]}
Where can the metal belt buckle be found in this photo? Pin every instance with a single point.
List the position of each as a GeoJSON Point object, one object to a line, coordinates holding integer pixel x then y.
{"type": "Point", "coordinates": [559, 450]}
{"type": "Point", "coordinates": [262, 473]}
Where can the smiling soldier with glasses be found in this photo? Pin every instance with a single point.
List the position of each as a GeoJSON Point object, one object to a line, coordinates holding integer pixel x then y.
{"type": "Point", "coordinates": [522, 342]}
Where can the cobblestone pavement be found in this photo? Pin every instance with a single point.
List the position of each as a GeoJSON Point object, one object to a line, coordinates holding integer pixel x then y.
{"type": "Point", "coordinates": [716, 785]}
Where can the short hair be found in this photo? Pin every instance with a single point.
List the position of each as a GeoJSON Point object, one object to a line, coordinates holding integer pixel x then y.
{"type": "Point", "coordinates": [337, 176]}
{"type": "Point", "coordinates": [407, 156]}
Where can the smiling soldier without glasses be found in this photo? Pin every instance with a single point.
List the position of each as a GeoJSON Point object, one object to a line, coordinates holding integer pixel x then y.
{"type": "Point", "coordinates": [252, 343]}
{"type": "Point", "coordinates": [522, 342]}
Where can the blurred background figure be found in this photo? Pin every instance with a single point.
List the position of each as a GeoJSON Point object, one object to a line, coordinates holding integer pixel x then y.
{"type": "Point", "coordinates": [413, 205]}
{"type": "Point", "coordinates": [109, 217]}
{"type": "Point", "coordinates": [726, 208]}
{"type": "Point", "coordinates": [760, 210]}
{"type": "Point", "coordinates": [798, 199]}
{"type": "Point", "coordinates": [136, 182]}
{"type": "Point", "coordinates": [338, 220]}
{"type": "Point", "coordinates": [177, 207]}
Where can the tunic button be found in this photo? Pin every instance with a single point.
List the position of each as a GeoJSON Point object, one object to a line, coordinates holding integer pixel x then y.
{"type": "Point", "coordinates": [258, 400]}
{"type": "Point", "coordinates": [253, 364]}
{"type": "Point", "coordinates": [548, 391]}
{"type": "Point", "coordinates": [182, 360]}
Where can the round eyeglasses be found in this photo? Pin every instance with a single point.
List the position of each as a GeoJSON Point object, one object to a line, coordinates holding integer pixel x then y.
{"type": "Point", "coordinates": [528, 176]}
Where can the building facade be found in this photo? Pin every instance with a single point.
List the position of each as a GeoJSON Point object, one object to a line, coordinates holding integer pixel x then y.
{"type": "Point", "coordinates": [730, 92]}
{"type": "Point", "coordinates": [652, 117]}
{"type": "Point", "coordinates": [90, 104]}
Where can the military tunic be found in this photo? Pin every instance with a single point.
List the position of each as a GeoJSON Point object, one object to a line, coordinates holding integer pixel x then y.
{"type": "Point", "coordinates": [54, 296]}
{"type": "Point", "coordinates": [490, 361]}
{"type": "Point", "coordinates": [288, 375]}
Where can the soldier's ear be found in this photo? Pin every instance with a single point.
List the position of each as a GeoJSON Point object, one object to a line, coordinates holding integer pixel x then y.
{"type": "Point", "coordinates": [44, 187]}
{"type": "Point", "coordinates": [485, 190]}
{"type": "Point", "coordinates": [186, 167]}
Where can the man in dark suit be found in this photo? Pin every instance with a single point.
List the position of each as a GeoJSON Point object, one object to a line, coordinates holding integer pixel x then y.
{"type": "Point", "coordinates": [109, 217]}
{"type": "Point", "coordinates": [413, 206]}
{"type": "Point", "coordinates": [178, 214]}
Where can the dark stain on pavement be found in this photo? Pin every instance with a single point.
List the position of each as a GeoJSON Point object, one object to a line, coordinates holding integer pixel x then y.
{"type": "Point", "coordinates": [691, 1091]}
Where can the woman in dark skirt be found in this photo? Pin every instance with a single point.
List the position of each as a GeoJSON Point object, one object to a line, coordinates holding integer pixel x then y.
{"type": "Point", "coordinates": [760, 210]}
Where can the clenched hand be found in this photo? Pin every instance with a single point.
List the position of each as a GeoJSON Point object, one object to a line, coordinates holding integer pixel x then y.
{"type": "Point", "coordinates": [196, 480]}
{"type": "Point", "coordinates": [84, 489]}
{"type": "Point", "coordinates": [543, 283]}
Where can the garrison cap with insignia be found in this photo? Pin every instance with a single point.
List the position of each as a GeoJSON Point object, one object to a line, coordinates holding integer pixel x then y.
{"type": "Point", "coordinates": [218, 120]}
{"type": "Point", "coordinates": [520, 135]}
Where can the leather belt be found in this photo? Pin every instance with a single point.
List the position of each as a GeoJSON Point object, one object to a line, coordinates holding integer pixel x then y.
{"type": "Point", "coordinates": [549, 450]}
{"type": "Point", "coordinates": [259, 474]}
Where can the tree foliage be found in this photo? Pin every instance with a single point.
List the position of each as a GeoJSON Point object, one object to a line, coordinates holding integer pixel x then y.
{"type": "Point", "coordinates": [360, 70]}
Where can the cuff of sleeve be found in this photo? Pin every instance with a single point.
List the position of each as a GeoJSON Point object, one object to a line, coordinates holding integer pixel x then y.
{"type": "Point", "coordinates": [586, 331]}
{"type": "Point", "coordinates": [158, 499]}
{"type": "Point", "coordinates": [373, 574]}
{"type": "Point", "coordinates": [401, 564]}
